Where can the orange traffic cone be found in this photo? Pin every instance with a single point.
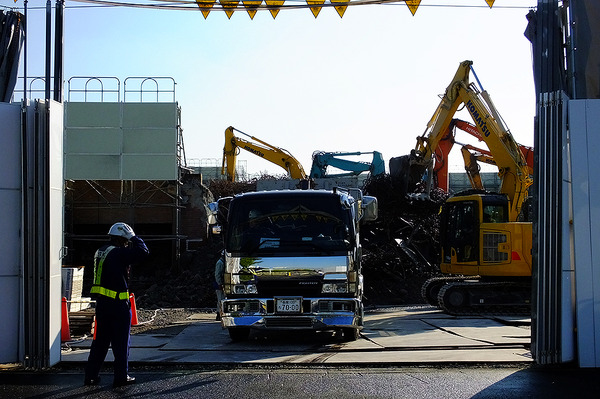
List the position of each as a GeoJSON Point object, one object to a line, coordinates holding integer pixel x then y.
{"type": "Point", "coordinates": [95, 325]}
{"type": "Point", "coordinates": [65, 330]}
{"type": "Point", "coordinates": [134, 319]}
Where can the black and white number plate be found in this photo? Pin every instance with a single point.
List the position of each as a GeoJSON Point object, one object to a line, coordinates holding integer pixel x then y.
{"type": "Point", "coordinates": [288, 305]}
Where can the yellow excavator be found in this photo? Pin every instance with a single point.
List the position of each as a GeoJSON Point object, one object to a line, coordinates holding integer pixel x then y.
{"type": "Point", "coordinates": [485, 241]}
{"type": "Point", "coordinates": [261, 149]}
{"type": "Point", "coordinates": [439, 164]}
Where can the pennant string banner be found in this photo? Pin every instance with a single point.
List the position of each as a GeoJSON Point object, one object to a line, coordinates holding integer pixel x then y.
{"type": "Point", "coordinates": [340, 6]}
{"type": "Point", "coordinates": [413, 5]}
{"type": "Point", "coordinates": [273, 6]}
{"type": "Point", "coordinates": [313, 3]}
{"type": "Point", "coordinates": [251, 7]}
{"type": "Point", "coordinates": [229, 6]}
{"type": "Point", "coordinates": [205, 6]}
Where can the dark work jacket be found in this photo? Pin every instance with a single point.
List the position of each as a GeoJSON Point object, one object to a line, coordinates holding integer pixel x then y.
{"type": "Point", "coordinates": [115, 268]}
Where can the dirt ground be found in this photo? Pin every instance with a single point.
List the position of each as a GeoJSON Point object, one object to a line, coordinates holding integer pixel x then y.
{"type": "Point", "coordinates": [170, 321]}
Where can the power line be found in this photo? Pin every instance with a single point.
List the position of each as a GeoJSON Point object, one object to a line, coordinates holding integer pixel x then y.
{"type": "Point", "coordinates": [192, 5]}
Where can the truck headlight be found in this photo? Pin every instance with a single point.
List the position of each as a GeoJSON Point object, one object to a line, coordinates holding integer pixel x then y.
{"type": "Point", "coordinates": [251, 289]}
{"type": "Point", "coordinates": [243, 289]}
{"type": "Point", "coordinates": [334, 288]}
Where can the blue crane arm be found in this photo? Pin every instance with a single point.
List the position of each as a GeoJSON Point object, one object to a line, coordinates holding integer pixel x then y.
{"type": "Point", "coordinates": [321, 160]}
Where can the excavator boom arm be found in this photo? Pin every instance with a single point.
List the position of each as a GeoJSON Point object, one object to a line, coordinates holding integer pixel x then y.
{"type": "Point", "coordinates": [260, 148]}
{"type": "Point", "coordinates": [321, 160]}
{"type": "Point", "coordinates": [507, 154]}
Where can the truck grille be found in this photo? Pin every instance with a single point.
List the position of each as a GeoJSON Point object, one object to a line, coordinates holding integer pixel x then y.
{"type": "Point", "coordinates": [303, 322]}
{"type": "Point", "coordinates": [291, 287]}
{"type": "Point", "coordinates": [336, 306]}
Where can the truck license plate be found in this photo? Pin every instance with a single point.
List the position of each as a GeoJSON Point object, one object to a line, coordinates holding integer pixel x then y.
{"type": "Point", "coordinates": [288, 305]}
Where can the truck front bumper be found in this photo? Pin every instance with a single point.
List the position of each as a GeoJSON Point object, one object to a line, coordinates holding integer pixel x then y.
{"type": "Point", "coordinates": [315, 314]}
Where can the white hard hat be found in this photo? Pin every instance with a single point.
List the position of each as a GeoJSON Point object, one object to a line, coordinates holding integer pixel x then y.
{"type": "Point", "coordinates": [120, 229]}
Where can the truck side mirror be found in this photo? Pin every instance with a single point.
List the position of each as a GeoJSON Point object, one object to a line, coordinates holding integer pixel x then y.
{"type": "Point", "coordinates": [370, 209]}
{"type": "Point", "coordinates": [213, 207]}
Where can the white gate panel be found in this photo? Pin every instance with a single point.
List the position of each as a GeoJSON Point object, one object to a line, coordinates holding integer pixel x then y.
{"type": "Point", "coordinates": [56, 223]}
{"type": "Point", "coordinates": [10, 222]}
{"type": "Point", "coordinates": [584, 122]}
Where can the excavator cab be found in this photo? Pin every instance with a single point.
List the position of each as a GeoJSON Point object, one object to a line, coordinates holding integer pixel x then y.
{"type": "Point", "coordinates": [460, 238]}
{"type": "Point", "coordinates": [476, 234]}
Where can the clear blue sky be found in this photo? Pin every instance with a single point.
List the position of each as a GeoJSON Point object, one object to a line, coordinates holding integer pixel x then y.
{"type": "Point", "coordinates": [367, 81]}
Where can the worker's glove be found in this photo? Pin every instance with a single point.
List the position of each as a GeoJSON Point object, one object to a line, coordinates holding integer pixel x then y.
{"type": "Point", "coordinates": [127, 231]}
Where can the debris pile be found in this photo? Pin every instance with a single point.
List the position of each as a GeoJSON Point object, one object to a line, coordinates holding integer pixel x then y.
{"type": "Point", "coordinates": [189, 286]}
{"type": "Point", "coordinates": [401, 248]}
{"type": "Point", "coordinates": [400, 251]}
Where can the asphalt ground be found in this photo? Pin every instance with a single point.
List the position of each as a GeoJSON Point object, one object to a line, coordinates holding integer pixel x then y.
{"type": "Point", "coordinates": [405, 352]}
{"type": "Point", "coordinates": [311, 381]}
{"type": "Point", "coordinates": [411, 335]}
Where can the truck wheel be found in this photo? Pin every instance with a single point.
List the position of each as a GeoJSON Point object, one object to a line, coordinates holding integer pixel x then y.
{"type": "Point", "coordinates": [238, 334]}
{"type": "Point", "coordinates": [350, 334]}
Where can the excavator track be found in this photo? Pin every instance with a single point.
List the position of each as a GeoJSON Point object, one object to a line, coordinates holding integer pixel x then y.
{"type": "Point", "coordinates": [482, 297]}
{"type": "Point", "coordinates": [431, 288]}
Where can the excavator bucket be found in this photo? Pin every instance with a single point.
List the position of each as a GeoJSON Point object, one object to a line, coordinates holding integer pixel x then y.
{"type": "Point", "coordinates": [405, 174]}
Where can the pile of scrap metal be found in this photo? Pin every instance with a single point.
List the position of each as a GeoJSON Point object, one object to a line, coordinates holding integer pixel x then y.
{"type": "Point", "coordinates": [401, 248]}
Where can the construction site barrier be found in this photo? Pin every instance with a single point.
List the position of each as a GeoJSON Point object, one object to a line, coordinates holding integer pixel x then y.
{"type": "Point", "coordinates": [134, 318]}
{"type": "Point", "coordinates": [65, 330]}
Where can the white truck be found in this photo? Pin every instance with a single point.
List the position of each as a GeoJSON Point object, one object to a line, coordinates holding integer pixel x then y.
{"type": "Point", "coordinates": [293, 261]}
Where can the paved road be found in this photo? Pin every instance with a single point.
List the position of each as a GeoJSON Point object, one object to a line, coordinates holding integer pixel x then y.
{"type": "Point", "coordinates": [413, 335]}
{"type": "Point", "coordinates": [409, 352]}
{"type": "Point", "coordinates": [315, 381]}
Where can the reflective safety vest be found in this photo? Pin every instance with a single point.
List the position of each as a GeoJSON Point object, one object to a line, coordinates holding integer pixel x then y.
{"type": "Point", "coordinates": [96, 287]}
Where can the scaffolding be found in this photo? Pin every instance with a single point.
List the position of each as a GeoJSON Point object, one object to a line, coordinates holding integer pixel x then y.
{"type": "Point", "coordinates": [124, 161]}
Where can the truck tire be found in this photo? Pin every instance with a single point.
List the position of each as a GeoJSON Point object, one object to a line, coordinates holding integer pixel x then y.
{"type": "Point", "coordinates": [350, 334]}
{"type": "Point", "coordinates": [239, 334]}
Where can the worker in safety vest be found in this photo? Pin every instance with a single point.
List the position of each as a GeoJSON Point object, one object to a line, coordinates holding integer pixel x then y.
{"type": "Point", "coordinates": [113, 310]}
{"type": "Point", "coordinates": [219, 281]}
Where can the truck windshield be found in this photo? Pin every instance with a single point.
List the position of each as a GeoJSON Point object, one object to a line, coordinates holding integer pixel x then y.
{"type": "Point", "coordinates": [294, 224]}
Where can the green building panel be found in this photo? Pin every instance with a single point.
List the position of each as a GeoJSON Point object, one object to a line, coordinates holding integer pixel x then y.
{"type": "Point", "coordinates": [121, 141]}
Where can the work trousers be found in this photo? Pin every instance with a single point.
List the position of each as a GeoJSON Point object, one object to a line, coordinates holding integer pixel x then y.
{"type": "Point", "coordinates": [113, 327]}
{"type": "Point", "coordinates": [220, 296]}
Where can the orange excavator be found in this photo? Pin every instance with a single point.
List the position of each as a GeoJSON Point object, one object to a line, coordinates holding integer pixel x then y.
{"type": "Point", "coordinates": [471, 155]}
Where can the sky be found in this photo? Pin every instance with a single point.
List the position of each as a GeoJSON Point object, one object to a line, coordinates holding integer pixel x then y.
{"type": "Point", "coordinates": [369, 81]}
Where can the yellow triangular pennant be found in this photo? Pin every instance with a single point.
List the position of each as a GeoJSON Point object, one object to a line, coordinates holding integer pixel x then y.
{"type": "Point", "coordinates": [315, 10]}
{"type": "Point", "coordinates": [205, 6]}
{"type": "Point", "coordinates": [274, 3]}
{"type": "Point", "coordinates": [341, 9]}
{"type": "Point", "coordinates": [413, 5]}
{"type": "Point", "coordinates": [490, 2]}
{"type": "Point", "coordinates": [251, 7]}
{"type": "Point", "coordinates": [229, 6]}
